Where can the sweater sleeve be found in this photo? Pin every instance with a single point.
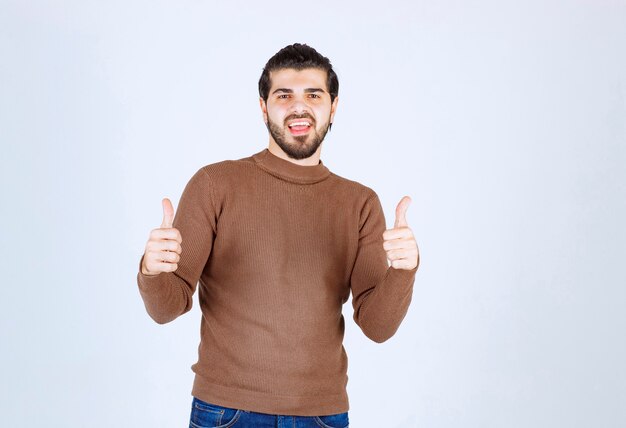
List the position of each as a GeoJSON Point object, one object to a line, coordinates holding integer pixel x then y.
{"type": "Point", "coordinates": [168, 295]}
{"type": "Point", "coordinates": [381, 294]}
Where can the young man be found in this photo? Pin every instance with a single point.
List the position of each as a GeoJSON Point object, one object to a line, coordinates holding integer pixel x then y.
{"type": "Point", "coordinates": [277, 243]}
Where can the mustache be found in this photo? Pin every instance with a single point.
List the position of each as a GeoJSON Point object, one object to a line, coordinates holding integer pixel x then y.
{"type": "Point", "coordinates": [300, 116]}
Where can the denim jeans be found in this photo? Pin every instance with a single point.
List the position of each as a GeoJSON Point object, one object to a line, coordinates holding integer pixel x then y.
{"type": "Point", "coordinates": [207, 415]}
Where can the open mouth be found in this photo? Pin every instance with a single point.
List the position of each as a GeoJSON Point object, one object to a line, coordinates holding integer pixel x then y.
{"type": "Point", "coordinates": [299, 127]}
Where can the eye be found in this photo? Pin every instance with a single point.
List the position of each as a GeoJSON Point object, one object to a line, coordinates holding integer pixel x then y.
{"type": "Point", "coordinates": [283, 96]}
{"type": "Point", "coordinates": [314, 96]}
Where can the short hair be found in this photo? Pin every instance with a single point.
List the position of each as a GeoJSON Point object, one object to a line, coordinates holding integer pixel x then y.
{"type": "Point", "coordinates": [298, 57]}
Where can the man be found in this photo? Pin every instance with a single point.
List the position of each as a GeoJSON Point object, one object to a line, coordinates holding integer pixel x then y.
{"type": "Point", "coordinates": [277, 243]}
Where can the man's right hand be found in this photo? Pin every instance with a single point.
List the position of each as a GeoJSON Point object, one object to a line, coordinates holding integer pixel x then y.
{"type": "Point", "coordinates": [163, 247]}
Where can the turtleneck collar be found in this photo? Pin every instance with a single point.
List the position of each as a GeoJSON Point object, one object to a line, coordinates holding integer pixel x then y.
{"type": "Point", "coordinates": [290, 171]}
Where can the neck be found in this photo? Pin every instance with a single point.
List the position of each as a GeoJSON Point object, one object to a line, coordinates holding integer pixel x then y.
{"type": "Point", "coordinates": [290, 171]}
{"type": "Point", "coordinates": [312, 160]}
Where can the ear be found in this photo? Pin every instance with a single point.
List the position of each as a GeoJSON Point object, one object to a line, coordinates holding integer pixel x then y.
{"type": "Point", "coordinates": [263, 109]}
{"type": "Point", "coordinates": [333, 108]}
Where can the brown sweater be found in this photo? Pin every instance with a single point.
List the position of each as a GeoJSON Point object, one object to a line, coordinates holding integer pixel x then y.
{"type": "Point", "coordinates": [277, 248]}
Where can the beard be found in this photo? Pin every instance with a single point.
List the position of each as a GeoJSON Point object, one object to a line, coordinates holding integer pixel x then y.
{"type": "Point", "coordinates": [305, 145]}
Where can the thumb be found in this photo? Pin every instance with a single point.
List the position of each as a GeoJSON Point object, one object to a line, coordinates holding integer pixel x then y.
{"type": "Point", "coordinates": [168, 214]}
{"type": "Point", "coordinates": [403, 205]}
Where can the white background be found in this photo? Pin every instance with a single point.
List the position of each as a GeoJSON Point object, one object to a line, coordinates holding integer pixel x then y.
{"type": "Point", "coordinates": [504, 121]}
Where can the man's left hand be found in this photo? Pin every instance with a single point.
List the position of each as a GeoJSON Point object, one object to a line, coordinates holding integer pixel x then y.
{"type": "Point", "coordinates": [399, 242]}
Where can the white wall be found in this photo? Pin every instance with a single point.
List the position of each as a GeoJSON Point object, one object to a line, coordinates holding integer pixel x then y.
{"type": "Point", "coordinates": [505, 121]}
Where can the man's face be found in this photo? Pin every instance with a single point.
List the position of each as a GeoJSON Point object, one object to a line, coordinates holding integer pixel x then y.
{"type": "Point", "coordinates": [298, 110]}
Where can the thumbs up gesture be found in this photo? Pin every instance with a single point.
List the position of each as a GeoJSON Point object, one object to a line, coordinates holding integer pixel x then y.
{"type": "Point", "coordinates": [399, 242]}
{"type": "Point", "coordinates": [163, 247]}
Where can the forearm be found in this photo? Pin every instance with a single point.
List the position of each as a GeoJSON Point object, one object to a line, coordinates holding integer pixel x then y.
{"type": "Point", "coordinates": [383, 307]}
{"type": "Point", "coordinates": [166, 296]}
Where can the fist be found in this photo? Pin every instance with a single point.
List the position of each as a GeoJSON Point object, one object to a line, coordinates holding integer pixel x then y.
{"type": "Point", "coordinates": [399, 242]}
{"type": "Point", "coordinates": [163, 248]}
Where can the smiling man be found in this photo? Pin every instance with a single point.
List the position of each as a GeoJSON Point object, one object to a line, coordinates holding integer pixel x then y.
{"type": "Point", "coordinates": [276, 243]}
{"type": "Point", "coordinates": [298, 111]}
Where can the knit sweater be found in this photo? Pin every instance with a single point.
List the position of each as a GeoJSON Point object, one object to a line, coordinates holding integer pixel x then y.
{"type": "Point", "coordinates": [277, 248]}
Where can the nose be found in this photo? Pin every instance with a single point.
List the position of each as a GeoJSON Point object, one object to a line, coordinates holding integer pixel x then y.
{"type": "Point", "coordinates": [299, 106]}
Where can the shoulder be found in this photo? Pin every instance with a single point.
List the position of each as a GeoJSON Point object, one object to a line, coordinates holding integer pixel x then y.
{"type": "Point", "coordinates": [361, 200]}
{"type": "Point", "coordinates": [214, 181]}
{"type": "Point", "coordinates": [357, 198]}
{"type": "Point", "coordinates": [225, 169]}
{"type": "Point", "coordinates": [359, 190]}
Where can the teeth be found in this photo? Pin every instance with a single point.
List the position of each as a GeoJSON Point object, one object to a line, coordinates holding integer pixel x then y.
{"type": "Point", "coordinates": [300, 124]}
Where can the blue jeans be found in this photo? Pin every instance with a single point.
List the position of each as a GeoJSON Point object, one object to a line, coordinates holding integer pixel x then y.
{"type": "Point", "coordinates": [207, 415]}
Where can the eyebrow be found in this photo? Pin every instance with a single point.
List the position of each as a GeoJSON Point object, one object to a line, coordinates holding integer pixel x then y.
{"type": "Point", "coordinates": [290, 91]}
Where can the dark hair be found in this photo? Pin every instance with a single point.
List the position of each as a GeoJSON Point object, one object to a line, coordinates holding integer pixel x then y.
{"type": "Point", "coordinates": [298, 56]}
